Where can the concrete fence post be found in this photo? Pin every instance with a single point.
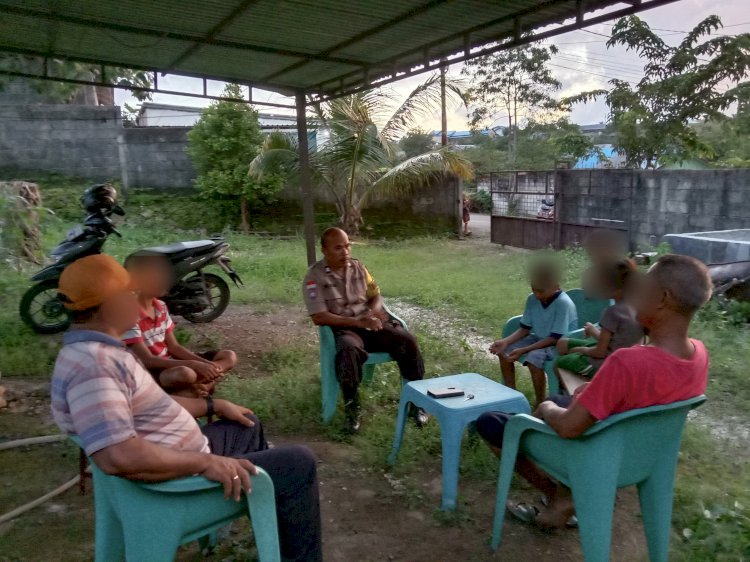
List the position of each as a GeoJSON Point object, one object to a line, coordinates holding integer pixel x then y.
{"type": "Point", "coordinates": [122, 153]}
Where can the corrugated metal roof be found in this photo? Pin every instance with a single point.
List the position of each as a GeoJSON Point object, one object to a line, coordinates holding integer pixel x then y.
{"type": "Point", "coordinates": [321, 47]}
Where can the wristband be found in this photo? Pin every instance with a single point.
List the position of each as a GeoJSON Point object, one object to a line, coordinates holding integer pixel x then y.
{"type": "Point", "coordinates": [210, 407]}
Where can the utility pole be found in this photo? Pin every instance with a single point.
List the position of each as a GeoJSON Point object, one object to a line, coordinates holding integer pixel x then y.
{"type": "Point", "coordinates": [444, 142]}
{"type": "Point", "coordinates": [443, 113]}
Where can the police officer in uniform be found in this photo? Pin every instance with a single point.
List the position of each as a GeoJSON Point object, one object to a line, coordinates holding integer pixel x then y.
{"type": "Point", "coordinates": [339, 292]}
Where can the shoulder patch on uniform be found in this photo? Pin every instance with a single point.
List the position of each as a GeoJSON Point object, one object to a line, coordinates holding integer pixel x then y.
{"type": "Point", "coordinates": [312, 289]}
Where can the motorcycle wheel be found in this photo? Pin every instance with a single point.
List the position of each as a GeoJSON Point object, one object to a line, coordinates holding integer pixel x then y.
{"type": "Point", "coordinates": [218, 296]}
{"type": "Point", "coordinates": [42, 310]}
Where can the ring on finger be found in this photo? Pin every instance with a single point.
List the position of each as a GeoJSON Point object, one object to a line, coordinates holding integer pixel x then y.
{"type": "Point", "coordinates": [235, 477]}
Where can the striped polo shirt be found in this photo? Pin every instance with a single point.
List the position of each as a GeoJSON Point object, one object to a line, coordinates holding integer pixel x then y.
{"type": "Point", "coordinates": [152, 331]}
{"type": "Point", "coordinates": [102, 394]}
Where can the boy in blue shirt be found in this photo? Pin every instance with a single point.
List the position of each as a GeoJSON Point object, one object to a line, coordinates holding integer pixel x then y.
{"type": "Point", "coordinates": [549, 315]}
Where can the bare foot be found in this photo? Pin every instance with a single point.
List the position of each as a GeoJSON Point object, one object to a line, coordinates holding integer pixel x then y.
{"type": "Point", "coordinates": [557, 514]}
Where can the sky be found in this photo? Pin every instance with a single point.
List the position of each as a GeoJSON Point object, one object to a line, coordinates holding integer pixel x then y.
{"type": "Point", "coordinates": [583, 63]}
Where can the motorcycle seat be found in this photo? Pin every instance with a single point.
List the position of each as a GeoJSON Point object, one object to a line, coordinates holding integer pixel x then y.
{"type": "Point", "coordinates": [177, 248]}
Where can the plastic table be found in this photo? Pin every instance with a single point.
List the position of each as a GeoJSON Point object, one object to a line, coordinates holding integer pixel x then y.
{"type": "Point", "coordinates": [453, 415]}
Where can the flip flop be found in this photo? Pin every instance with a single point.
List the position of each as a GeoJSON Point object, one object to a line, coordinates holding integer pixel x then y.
{"type": "Point", "coordinates": [524, 512]}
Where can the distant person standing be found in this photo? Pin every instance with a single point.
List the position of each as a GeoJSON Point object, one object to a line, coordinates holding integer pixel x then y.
{"type": "Point", "coordinates": [466, 215]}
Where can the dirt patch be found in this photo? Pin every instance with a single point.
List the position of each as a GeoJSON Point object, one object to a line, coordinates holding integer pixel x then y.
{"type": "Point", "coordinates": [370, 515]}
{"type": "Point", "coordinates": [729, 430]}
{"type": "Point", "coordinates": [252, 334]}
{"type": "Point", "coordinates": [443, 326]}
{"type": "Point", "coordinates": [26, 397]}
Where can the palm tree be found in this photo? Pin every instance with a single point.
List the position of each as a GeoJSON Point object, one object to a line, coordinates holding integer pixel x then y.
{"type": "Point", "coordinates": [360, 159]}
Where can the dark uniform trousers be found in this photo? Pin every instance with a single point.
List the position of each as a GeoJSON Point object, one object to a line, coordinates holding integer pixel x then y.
{"type": "Point", "coordinates": [353, 345]}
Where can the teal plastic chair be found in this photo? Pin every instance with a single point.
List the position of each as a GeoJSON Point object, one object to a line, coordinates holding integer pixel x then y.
{"type": "Point", "coordinates": [589, 310]}
{"type": "Point", "coordinates": [329, 384]}
{"type": "Point", "coordinates": [140, 521]}
{"type": "Point", "coordinates": [638, 447]}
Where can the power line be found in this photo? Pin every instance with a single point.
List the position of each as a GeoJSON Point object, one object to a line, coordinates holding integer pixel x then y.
{"type": "Point", "coordinates": [598, 54]}
{"type": "Point", "coordinates": [686, 32]}
{"type": "Point", "coordinates": [594, 59]}
{"type": "Point", "coordinates": [628, 73]}
{"type": "Point", "coordinates": [596, 33]}
{"type": "Point", "coordinates": [589, 72]}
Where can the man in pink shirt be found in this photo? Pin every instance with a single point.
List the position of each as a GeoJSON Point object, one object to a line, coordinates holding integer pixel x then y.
{"type": "Point", "coordinates": [671, 368]}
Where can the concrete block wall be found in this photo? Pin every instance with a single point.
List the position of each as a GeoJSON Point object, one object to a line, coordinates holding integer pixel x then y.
{"type": "Point", "coordinates": [91, 142]}
{"type": "Point", "coordinates": [72, 140]}
{"type": "Point", "coordinates": [157, 157]}
{"type": "Point", "coordinates": [653, 203]}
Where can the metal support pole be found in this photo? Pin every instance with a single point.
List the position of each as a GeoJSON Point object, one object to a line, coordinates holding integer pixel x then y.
{"type": "Point", "coordinates": [308, 210]}
{"type": "Point", "coordinates": [443, 113]}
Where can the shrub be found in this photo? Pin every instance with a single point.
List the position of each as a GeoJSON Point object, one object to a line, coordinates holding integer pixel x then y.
{"type": "Point", "coordinates": [480, 202]}
{"type": "Point", "coordinates": [221, 145]}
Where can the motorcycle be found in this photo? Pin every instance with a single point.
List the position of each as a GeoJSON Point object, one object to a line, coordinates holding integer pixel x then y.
{"type": "Point", "coordinates": [196, 295]}
{"type": "Point", "coordinates": [546, 210]}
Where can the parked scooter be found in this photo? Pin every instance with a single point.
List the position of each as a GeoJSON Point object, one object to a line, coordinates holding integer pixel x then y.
{"type": "Point", "coordinates": [197, 296]}
{"type": "Point", "coordinates": [546, 210]}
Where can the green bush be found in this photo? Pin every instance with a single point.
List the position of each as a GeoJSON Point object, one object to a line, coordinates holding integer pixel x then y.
{"type": "Point", "coordinates": [726, 312]}
{"type": "Point", "coordinates": [480, 202]}
{"type": "Point", "coordinates": [221, 146]}
{"type": "Point", "coordinates": [738, 313]}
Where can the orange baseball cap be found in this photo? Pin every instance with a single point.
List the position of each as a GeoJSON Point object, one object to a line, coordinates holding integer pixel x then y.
{"type": "Point", "coordinates": [90, 281]}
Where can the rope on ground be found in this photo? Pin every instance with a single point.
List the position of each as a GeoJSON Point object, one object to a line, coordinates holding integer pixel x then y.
{"type": "Point", "coordinates": [32, 441]}
{"type": "Point", "coordinates": [56, 492]}
{"type": "Point", "coordinates": [31, 505]}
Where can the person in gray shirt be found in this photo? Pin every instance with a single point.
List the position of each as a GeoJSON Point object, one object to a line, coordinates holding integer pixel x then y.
{"type": "Point", "coordinates": [618, 327]}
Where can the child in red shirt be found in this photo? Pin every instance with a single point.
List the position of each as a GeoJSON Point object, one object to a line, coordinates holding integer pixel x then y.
{"type": "Point", "coordinates": [177, 369]}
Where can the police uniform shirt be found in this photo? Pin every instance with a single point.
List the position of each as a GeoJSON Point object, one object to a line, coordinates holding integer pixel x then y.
{"type": "Point", "coordinates": [345, 295]}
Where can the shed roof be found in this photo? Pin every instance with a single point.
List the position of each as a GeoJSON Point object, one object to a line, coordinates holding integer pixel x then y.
{"type": "Point", "coordinates": [324, 48]}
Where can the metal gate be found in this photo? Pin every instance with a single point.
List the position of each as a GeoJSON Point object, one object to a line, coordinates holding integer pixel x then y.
{"type": "Point", "coordinates": [558, 208]}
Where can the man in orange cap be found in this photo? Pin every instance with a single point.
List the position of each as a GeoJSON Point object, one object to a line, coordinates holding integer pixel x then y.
{"type": "Point", "coordinates": [131, 428]}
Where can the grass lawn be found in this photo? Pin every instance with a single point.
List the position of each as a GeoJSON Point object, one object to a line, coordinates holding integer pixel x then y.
{"type": "Point", "coordinates": [475, 286]}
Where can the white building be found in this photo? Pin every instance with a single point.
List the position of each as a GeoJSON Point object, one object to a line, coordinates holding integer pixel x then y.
{"type": "Point", "coordinates": [164, 115]}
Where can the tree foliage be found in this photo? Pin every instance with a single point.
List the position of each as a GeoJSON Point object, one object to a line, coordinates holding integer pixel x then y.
{"type": "Point", "coordinates": [571, 144]}
{"type": "Point", "coordinates": [221, 144]}
{"type": "Point", "coordinates": [514, 84]}
{"type": "Point", "coordinates": [359, 160]}
{"type": "Point", "coordinates": [416, 142]}
{"type": "Point", "coordinates": [682, 84]}
{"type": "Point", "coordinates": [539, 146]}
{"type": "Point", "coordinates": [64, 91]}
{"type": "Point", "coordinates": [729, 137]}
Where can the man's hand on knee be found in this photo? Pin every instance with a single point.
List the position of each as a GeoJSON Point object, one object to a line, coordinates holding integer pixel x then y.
{"type": "Point", "coordinates": [233, 474]}
{"type": "Point", "coordinates": [234, 412]}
